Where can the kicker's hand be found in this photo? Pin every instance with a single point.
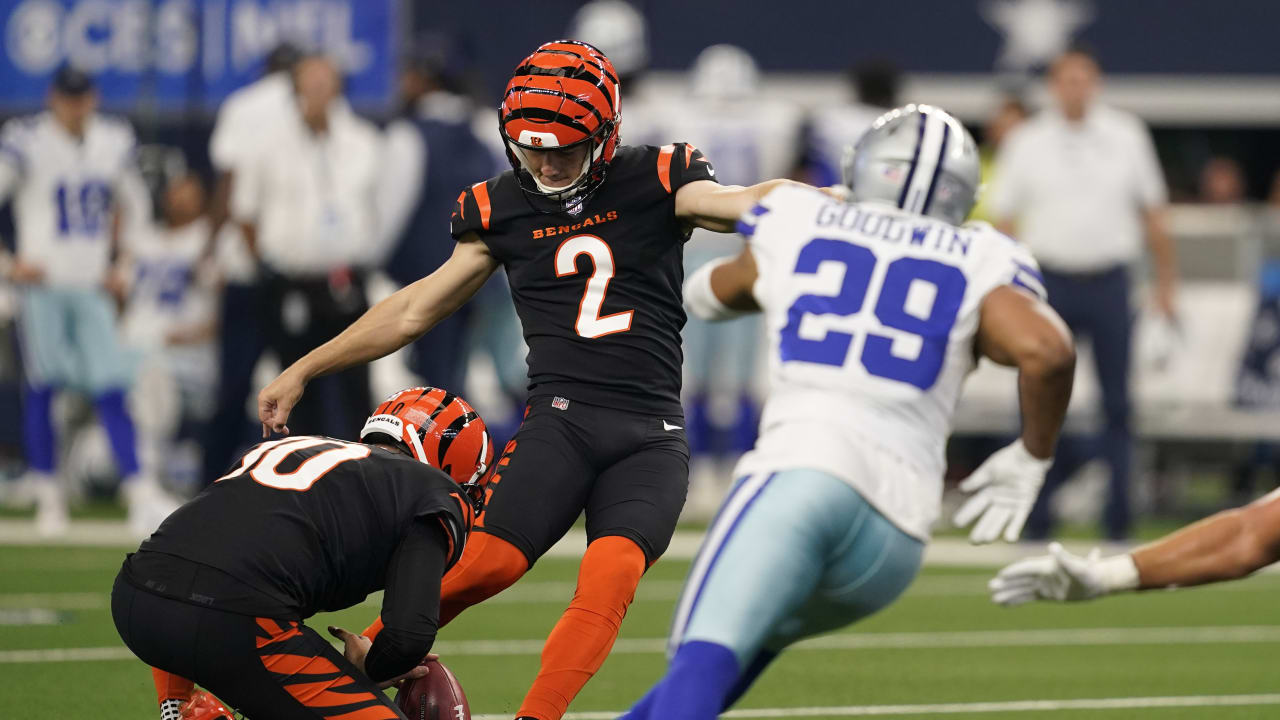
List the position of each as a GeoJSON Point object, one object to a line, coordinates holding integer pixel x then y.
{"type": "Point", "coordinates": [1004, 489]}
{"type": "Point", "coordinates": [276, 401]}
{"type": "Point", "coordinates": [1063, 577]}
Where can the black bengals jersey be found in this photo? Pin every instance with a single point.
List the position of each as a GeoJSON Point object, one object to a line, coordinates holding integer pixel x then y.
{"type": "Point", "coordinates": [598, 292]}
{"type": "Point", "coordinates": [310, 523]}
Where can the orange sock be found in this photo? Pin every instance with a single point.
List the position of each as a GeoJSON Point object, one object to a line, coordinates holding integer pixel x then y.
{"type": "Point", "coordinates": [580, 642]}
{"type": "Point", "coordinates": [171, 687]}
{"type": "Point", "coordinates": [488, 566]}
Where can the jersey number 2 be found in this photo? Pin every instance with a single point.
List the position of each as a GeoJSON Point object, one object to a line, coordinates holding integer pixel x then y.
{"type": "Point", "coordinates": [590, 324]}
{"type": "Point", "coordinates": [262, 462]}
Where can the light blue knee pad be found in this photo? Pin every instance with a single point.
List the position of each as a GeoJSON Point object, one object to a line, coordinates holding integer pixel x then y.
{"type": "Point", "coordinates": [791, 554]}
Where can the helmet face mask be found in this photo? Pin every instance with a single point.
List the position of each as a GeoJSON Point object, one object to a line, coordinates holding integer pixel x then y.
{"type": "Point", "coordinates": [563, 96]}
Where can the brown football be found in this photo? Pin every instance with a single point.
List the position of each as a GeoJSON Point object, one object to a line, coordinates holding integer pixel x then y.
{"type": "Point", "coordinates": [437, 696]}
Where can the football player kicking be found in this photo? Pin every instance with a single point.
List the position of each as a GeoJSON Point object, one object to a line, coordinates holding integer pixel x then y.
{"type": "Point", "coordinates": [218, 595]}
{"type": "Point", "coordinates": [1227, 546]}
{"type": "Point", "coordinates": [876, 310]}
{"type": "Point", "coordinates": [591, 234]}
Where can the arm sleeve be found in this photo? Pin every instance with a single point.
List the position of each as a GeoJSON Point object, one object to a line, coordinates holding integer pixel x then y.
{"type": "Point", "coordinates": [411, 603]}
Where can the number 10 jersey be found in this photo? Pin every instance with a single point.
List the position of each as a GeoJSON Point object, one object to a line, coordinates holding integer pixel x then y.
{"type": "Point", "coordinates": [871, 315]}
{"type": "Point", "coordinates": [598, 292]}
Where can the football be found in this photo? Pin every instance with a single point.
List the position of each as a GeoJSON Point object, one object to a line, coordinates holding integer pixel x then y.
{"type": "Point", "coordinates": [436, 696]}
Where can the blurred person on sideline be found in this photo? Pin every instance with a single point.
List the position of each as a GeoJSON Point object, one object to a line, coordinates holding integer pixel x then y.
{"type": "Point", "coordinates": [831, 128]}
{"type": "Point", "coordinates": [1008, 115]}
{"type": "Point", "coordinates": [242, 337]}
{"type": "Point", "coordinates": [1081, 185]}
{"type": "Point", "coordinates": [752, 138]}
{"type": "Point", "coordinates": [171, 321]}
{"type": "Point", "coordinates": [72, 175]}
{"type": "Point", "coordinates": [621, 32]}
{"type": "Point", "coordinates": [431, 151]}
{"type": "Point", "coordinates": [1222, 182]}
{"type": "Point", "coordinates": [307, 205]}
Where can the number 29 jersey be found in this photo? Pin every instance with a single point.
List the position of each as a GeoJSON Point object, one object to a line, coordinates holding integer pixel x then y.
{"type": "Point", "coordinates": [597, 292]}
{"type": "Point", "coordinates": [871, 315]}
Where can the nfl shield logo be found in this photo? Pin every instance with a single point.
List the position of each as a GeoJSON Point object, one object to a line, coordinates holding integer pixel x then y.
{"type": "Point", "coordinates": [559, 403]}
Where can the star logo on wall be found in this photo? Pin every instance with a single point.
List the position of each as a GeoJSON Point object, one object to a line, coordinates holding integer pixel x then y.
{"type": "Point", "coordinates": [1035, 31]}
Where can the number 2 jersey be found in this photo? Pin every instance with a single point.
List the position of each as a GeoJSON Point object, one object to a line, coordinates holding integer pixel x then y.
{"type": "Point", "coordinates": [871, 315]}
{"type": "Point", "coordinates": [66, 189]}
{"type": "Point", "coordinates": [308, 524]}
{"type": "Point", "coordinates": [598, 293]}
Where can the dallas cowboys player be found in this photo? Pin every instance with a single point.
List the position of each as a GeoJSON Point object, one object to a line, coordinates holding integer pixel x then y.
{"type": "Point", "coordinates": [70, 170]}
{"type": "Point", "coordinates": [876, 310]}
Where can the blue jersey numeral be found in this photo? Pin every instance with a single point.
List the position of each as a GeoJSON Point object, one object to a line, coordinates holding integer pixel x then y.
{"type": "Point", "coordinates": [83, 210]}
{"type": "Point", "coordinates": [877, 357]}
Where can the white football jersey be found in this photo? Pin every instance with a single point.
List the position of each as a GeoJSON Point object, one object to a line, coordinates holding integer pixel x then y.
{"type": "Point", "coordinates": [871, 315]}
{"type": "Point", "coordinates": [66, 190]}
{"type": "Point", "coordinates": [167, 295]}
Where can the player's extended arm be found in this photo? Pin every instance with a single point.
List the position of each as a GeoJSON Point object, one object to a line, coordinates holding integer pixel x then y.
{"type": "Point", "coordinates": [1019, 330]}
{"type": "Point", "coordinates": [411, 603]}
{"type": "Point", "coordinates": [1227, 546]}
{"type": "Point", "coordinates": [707, 204]}
{"type": "Point", "coordinates": [722, 289]}
{"type": "Point", "coordinates": [388, 326]}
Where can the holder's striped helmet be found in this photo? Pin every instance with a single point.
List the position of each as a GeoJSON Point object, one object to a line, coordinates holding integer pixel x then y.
{"type": "Point", "coordinates": [562, 97]}
{"type": "Point", "coordinates": [439, 429]}
{"type": "Point", "coordinates": [919, 158]}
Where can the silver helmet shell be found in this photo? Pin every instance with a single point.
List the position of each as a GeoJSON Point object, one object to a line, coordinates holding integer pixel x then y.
{"type": "Point", "coordinates": [919, 158]}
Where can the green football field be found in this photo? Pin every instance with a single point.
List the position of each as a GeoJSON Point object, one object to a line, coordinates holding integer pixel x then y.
{"type": "Point", "coordinates": [942, 649]}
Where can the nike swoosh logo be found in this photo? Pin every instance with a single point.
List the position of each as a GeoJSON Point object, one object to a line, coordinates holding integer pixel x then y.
{"type": "Point", "coordinates": [669, 427]}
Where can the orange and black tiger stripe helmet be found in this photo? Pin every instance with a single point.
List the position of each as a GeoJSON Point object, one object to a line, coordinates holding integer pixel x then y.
{"type": "Point", "coordinates": [438, 428]}
{"type": "Point", "coordinates": [563, 95]}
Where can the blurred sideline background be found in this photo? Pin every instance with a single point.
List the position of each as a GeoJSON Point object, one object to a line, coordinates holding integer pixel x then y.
{"type": "Point", "coordinates": [765, 90]}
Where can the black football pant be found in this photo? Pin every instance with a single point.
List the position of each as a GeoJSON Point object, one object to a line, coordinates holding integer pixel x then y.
{"type": "Point", "coordinates": [266, 669]}
{"type": "Point", "coordinates": [628, 471]}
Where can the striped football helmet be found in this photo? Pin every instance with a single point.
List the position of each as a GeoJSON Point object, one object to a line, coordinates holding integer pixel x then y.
{"type": "Point", "coordinates": [562, 96]}
{"type": "Point", "coordinates": [439, 429]}
{"type": "Point", "coordinates": [919, 158]}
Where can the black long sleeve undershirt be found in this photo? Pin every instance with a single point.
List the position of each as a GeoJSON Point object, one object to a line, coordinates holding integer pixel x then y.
{"type": "Point", "coordinates": [411, 602]}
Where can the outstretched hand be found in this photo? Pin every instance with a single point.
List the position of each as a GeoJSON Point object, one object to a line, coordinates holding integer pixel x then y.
{"type": "Point", "coordinates": [276, 401]}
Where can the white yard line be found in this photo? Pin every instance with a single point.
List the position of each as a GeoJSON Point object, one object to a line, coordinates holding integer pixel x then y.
{"type": "Point", "coordinates": [55, 601]}
{"type": "Point", "coordinates": [1015, 706]}
{"type": "Point", "coordinates": [1214, 635]}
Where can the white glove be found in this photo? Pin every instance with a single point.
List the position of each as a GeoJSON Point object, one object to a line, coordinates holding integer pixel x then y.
{"type": "Point", "coordinates": [1006, 486]}
{"type": "Point", "coordinates": [1063, 577]}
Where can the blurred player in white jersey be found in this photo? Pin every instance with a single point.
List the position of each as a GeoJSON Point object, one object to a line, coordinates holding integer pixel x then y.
{"type": "Point", "coordinates": [833, 128]}
{"type": "Point", "coordinates": [876, 311]}
{"type": "Point", "coordinates": [752, 138]}
{"type": "Point", "coordinates": [71, 171]}
{"type": "Point", "coordinates": [171, 321]}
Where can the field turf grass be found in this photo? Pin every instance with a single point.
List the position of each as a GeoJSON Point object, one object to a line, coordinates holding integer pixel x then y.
{"type": "Point", "coordinates": [943, 645]}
